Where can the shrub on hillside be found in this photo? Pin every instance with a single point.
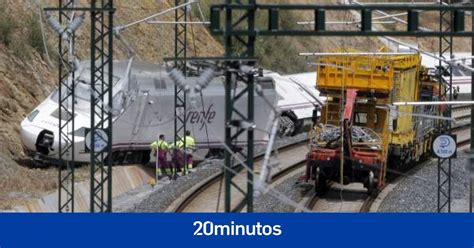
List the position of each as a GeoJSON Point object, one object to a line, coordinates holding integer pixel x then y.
{"type": "Point", "coordinates": [34, 35]}
{"type": "Point", "coordinates": [7, 25]}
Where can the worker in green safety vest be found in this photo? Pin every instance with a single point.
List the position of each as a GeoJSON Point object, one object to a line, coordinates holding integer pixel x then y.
{"type": "Point", "coordinates": [189, 148]}
{"type": "Point", "coordinates": [160, 149]}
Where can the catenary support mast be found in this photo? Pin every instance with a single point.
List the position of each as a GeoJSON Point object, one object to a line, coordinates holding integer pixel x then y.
{"type": "Point", "coordinates": [66, 113]}
{"type": "Point", "coordinates": [238, 124]}
{"type": "Point", "coordinates": [180, 49]}
{"type": "Point", "coordinates": [445, 93]}
{"type": "Point", "coordinates": [101, 105]}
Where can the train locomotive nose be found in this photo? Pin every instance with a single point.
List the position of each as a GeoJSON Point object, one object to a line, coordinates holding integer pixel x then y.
{"type": "Point", "coordinates": [37, 142]}
{"type": "Point", "coordinates": [44, 142]}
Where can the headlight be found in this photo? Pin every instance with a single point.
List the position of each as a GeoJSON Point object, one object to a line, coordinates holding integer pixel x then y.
{"type": "Point", "coordinates": [32, 115]}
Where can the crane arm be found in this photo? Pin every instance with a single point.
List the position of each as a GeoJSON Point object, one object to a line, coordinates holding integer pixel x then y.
{"type": "Point", "coordinates": [351, 95]}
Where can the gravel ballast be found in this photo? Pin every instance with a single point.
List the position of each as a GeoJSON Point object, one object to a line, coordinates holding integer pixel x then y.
{"type": "Point", "coordinates": [291, 191]}
{"type": "Point", "coordinates": [417, 192]}
{"type": "Point", "coordinates": [158, 199]}
{"type": "Point", "coordinates": [166, 193]}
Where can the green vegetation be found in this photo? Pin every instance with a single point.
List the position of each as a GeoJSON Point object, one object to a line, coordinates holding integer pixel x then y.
{"type": "Point", "coordinates": [34, 35]}
{"type": "Point", "coordinates": [277, 54]}
{"type": "Point", "coordinates": [7, 25]}
{"type": "Point", "coordinates": [22, 36]}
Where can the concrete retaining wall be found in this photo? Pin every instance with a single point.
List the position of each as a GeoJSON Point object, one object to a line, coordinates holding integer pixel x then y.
{"type": "Point", "coordinates": [125, 178]}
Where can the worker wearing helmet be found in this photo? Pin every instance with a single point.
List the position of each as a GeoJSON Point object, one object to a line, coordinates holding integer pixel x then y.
{"type": "Point", "coordinates": [189, 147]}
{"type": "Point", "coordinates": [160, 150]}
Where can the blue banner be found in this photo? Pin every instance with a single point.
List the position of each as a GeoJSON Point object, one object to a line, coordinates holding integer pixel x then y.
{"type": "Point", "coordinates": [237, 230]}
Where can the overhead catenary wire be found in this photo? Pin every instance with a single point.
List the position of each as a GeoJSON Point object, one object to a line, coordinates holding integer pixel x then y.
{"type": "Point", "coordinates": [391, 17]}
{"type": "Point", "coordinates": [447, 61]}
{"type": "Point", "coordinates": [347, 23]}
{"type": "Point", "coordinates": [355, 54]}
{"type": "Point", "coordinates": [200, 11]}
{"type": "Point", "coordinates": [173, 22]}
{"type": "Point", "coordinates": [433, 103]}
{"type": "Point", "coordinates": [154, 15]}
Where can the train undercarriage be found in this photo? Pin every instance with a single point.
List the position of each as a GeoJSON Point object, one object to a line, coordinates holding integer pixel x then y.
{"type": "Point", "coordinates": [346, 153]}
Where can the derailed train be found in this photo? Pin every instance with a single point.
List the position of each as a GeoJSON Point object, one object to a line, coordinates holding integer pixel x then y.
{"type": "Point", "coordinates": [143, 107]}
{"type": "Point", "coordinates": [359, 136]}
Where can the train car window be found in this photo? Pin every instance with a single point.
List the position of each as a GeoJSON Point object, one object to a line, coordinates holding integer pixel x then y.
{"type": "Point", "coordinates": [266, 82]}
{"type": "Point", "coordinates": [33, 115]}
{"type": "Point", "coordinates": [82, 91]}
{"type": "Point", "coordinates": [65, 115]}
{"type": "Point", "coordinates": [86, 76]}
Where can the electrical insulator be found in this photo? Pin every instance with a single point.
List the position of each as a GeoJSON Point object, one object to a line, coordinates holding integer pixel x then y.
{"type": "Point", "coordinates": [55, 25]}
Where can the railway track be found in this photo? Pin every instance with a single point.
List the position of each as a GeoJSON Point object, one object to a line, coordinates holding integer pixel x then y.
{"type": "Point", "coordinates": [349, 198]}
{"type": "Point", "coordinates": [338, 198]}
{"type": "Point", "coordinates": [354, 198]}
{"type": "Point", "coordinates": [208, 196]}
{"type": "Point", "coordinates": [461, 126]}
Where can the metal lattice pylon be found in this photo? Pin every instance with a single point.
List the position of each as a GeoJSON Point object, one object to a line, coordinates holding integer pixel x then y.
{"type": "Point", "coordinates": [445, 93]}
{"type": "Point", "coordinates": [237, 123]}
{"type": "Point", "coordinates": [101, 103]}
{"type": "Point", "coordinates": [66, 114]}
{"type": "Point", "coordinates": [180, 49]}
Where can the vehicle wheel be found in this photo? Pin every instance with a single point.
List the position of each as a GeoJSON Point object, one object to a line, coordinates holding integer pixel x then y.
{"type": "Point", "coordinates": [319, 182]}
{"type": "Point", "coordinates": [145, 158]}
{"type": "Point", "coordinates": [372, 189]}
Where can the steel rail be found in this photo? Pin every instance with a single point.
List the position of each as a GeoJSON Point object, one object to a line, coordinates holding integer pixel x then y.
{"type": "Point", "coordinates": [199, 189]}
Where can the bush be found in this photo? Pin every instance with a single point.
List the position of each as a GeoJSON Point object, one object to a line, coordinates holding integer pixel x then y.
{"type": "Point", "coordinates": [22, 37]}
{"type": "Point", "coordinates": [7, 26]}
{"type": "Point", "coordinates": [34, 34]}
{"type": "Point", "coordinates": [21, 50]}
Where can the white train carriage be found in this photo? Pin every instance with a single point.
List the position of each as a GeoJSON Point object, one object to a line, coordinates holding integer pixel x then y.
{"type": "Point", "coordinates": [143, 107]}
{"type": "Point", "coordinates": [461, 78]}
